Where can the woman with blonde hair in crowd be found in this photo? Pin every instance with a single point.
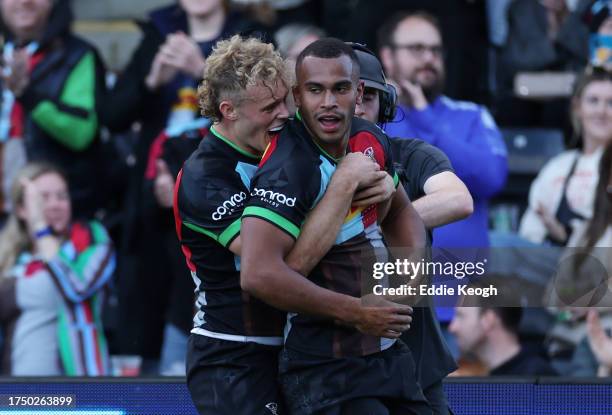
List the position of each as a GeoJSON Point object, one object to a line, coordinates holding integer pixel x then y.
{"type": "Point", "coordinates": [53, 273]}
{"type": "Point", "coordinates": [562, 194]}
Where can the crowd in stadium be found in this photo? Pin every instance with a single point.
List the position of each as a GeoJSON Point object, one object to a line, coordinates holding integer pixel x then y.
{"type": "Point", "coordinates": [92, 270]}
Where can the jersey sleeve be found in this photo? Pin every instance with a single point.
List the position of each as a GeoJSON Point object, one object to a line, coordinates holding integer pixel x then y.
{"type": "Point", "coordinates": [372, 141]}
{"type": "Point", "coordinates": [210, 205]}
{"type": "Point", "coordinates": [286, 188]}
{"type": "Point", "coordinates": [389, 166]}
{"type": "Point", "coordinates": [418, 161]}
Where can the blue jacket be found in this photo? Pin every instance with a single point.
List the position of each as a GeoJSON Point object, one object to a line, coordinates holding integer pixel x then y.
{"type": "Point", "coordinates": [468, 135]}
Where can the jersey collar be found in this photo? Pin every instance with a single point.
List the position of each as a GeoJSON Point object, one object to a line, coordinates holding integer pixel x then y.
{"type": "Point", "coordinates": [325, 153]}
{"type": "Point", "coordinates": [214, 132]}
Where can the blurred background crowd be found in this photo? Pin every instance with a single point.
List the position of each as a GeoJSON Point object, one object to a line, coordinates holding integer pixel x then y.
{"type": "Point", "coordinates": [99, 110]}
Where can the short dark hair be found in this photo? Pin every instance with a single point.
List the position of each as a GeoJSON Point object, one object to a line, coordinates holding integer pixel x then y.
{"type": "Point", "coordinates": [328, 48]}
{"type": "Point", "coordinates": [388, 28]}
{"type": "Point", "coordinates": [510, 317]}
{"type": "Point", "coordinates": [509, 288]}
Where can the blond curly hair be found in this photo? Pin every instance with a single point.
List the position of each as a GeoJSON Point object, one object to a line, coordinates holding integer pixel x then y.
{"type": "Point", "coordinates": [234, 65]}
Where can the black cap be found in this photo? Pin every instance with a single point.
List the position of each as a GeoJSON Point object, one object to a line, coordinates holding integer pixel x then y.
{"type": "Point", "coordinates": [371, 70]}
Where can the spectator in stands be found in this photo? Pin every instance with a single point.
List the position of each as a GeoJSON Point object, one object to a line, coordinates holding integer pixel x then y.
{"type": "Point", "coordinates": [563, 192]}
{"type": "Point", "coordinates": [411, 51]}
{"type": "Point", "coordinates": [490, 334]}
{"type": "Point", "coordinates": [52, 85]}
{"type": "Point", "coordinates": [158, 89]}
{"type": "Point", "coordinates": [594, 237]}
{"type": "Point", "coordinates": [53, 274]}
{"type": "Point", "coordinates": [291, 39]}
{"type": "Point", "coordinates": [542, 36]}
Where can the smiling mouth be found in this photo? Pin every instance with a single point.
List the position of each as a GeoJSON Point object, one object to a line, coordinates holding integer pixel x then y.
{"type": "Point", "coordinates": [276, 128]}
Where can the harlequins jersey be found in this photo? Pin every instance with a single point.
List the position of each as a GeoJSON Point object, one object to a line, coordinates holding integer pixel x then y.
{"type": "Point", "coordinates": [293, 176]}
{"type": "Point", "coordinates": [210, 194]}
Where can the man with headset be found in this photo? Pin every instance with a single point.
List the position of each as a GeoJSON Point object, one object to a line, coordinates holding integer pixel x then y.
{"type": "Point", "coordinates": [439, 197]}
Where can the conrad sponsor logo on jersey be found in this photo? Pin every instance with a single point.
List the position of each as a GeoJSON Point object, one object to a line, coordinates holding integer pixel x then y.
{"type": "Point", "coordinates": [274, 198]}
{"type": "Point", "coordinates": [229, 205]}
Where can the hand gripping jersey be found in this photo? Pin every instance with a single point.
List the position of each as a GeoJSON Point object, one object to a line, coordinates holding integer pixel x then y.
{"type": "Point", "coordinates": [210, 194]}
{"type": "Point", "coordinates": [293, 176]}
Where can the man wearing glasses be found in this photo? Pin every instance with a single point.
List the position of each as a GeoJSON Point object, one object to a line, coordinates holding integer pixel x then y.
{"type": "Point", "coordinates": [412, 54]}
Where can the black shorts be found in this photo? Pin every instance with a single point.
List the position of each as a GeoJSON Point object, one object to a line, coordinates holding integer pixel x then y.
{"type": "Point", "coordinates": [353, 385]}
{"type": "Point", "coordinates": [226, 377]}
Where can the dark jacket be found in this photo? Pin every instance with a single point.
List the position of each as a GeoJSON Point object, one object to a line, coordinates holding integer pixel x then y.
{"type": "Point", "coordinates": [61, 105]}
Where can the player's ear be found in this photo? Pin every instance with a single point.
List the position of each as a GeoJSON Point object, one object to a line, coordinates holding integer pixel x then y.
{"type": "Point", "coordinates": [228, 110]}
{"type": "Point", "coordinates": [296, 96]}
{"type": "Point", "coordinates": [360, 89]}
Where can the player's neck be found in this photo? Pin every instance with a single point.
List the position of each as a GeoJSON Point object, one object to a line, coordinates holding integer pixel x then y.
{"type": "Point", "coordinates": [335, 150]}
{"type": "Point", "coordinates": [230, 134]}
{"type": "Point", "coordinates": [500, 349]}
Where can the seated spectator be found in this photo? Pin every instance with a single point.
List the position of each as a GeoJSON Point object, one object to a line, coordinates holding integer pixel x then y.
{"type": "Point", "coordinates": [411, 52]}
{"type": "Point", "coordinates": [490, 334]}
{"type": "Point", "coordinates": [52, 83]}
{"type": "Point", "coordinates": [588, 276]}
{"type": "Point", "coordinates": [562, 194]}
{"type": "Point", "coordinates": [542, 36]}
{"type": "Point", "coordinates": [412, 55]}
{"type": "Point", "coordinates": [291, 39]}
{"type": "Point", "coordinates": [158, 89]}
{"type": "Point", "coordinates": [53, 274]}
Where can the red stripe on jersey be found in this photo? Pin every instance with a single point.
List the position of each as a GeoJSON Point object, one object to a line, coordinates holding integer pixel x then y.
{"type": "Point", "coordinates": [270, 149]}
{"type": "Point", "coordinates": [366, 143]}
{"type": "Point", "coordinates": [178, 223]}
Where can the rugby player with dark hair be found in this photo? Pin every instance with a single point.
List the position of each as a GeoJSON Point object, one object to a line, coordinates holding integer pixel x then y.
{"type": "Point", "coordinates": [325, 367]}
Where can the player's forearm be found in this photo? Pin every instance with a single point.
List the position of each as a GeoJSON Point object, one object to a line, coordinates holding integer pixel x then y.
{"type": "Point", "coordinates": [402, 226]}
{"type": "Point", "coordinates": [443, 207]}
{"type": "Point", "coordinates": [321, 227]}
{"type": "Point", "coordinates": [285, 289]}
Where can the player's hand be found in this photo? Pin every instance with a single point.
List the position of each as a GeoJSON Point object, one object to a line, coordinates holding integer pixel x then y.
{"type": "Point", "coordinates": [383, 318]}
{"type": "Point", "coordinates": [163, 187]}
{"type": "Point", "coordinates": [359, 170]}
{"type": "Point", "coordinates": [381, 190]}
